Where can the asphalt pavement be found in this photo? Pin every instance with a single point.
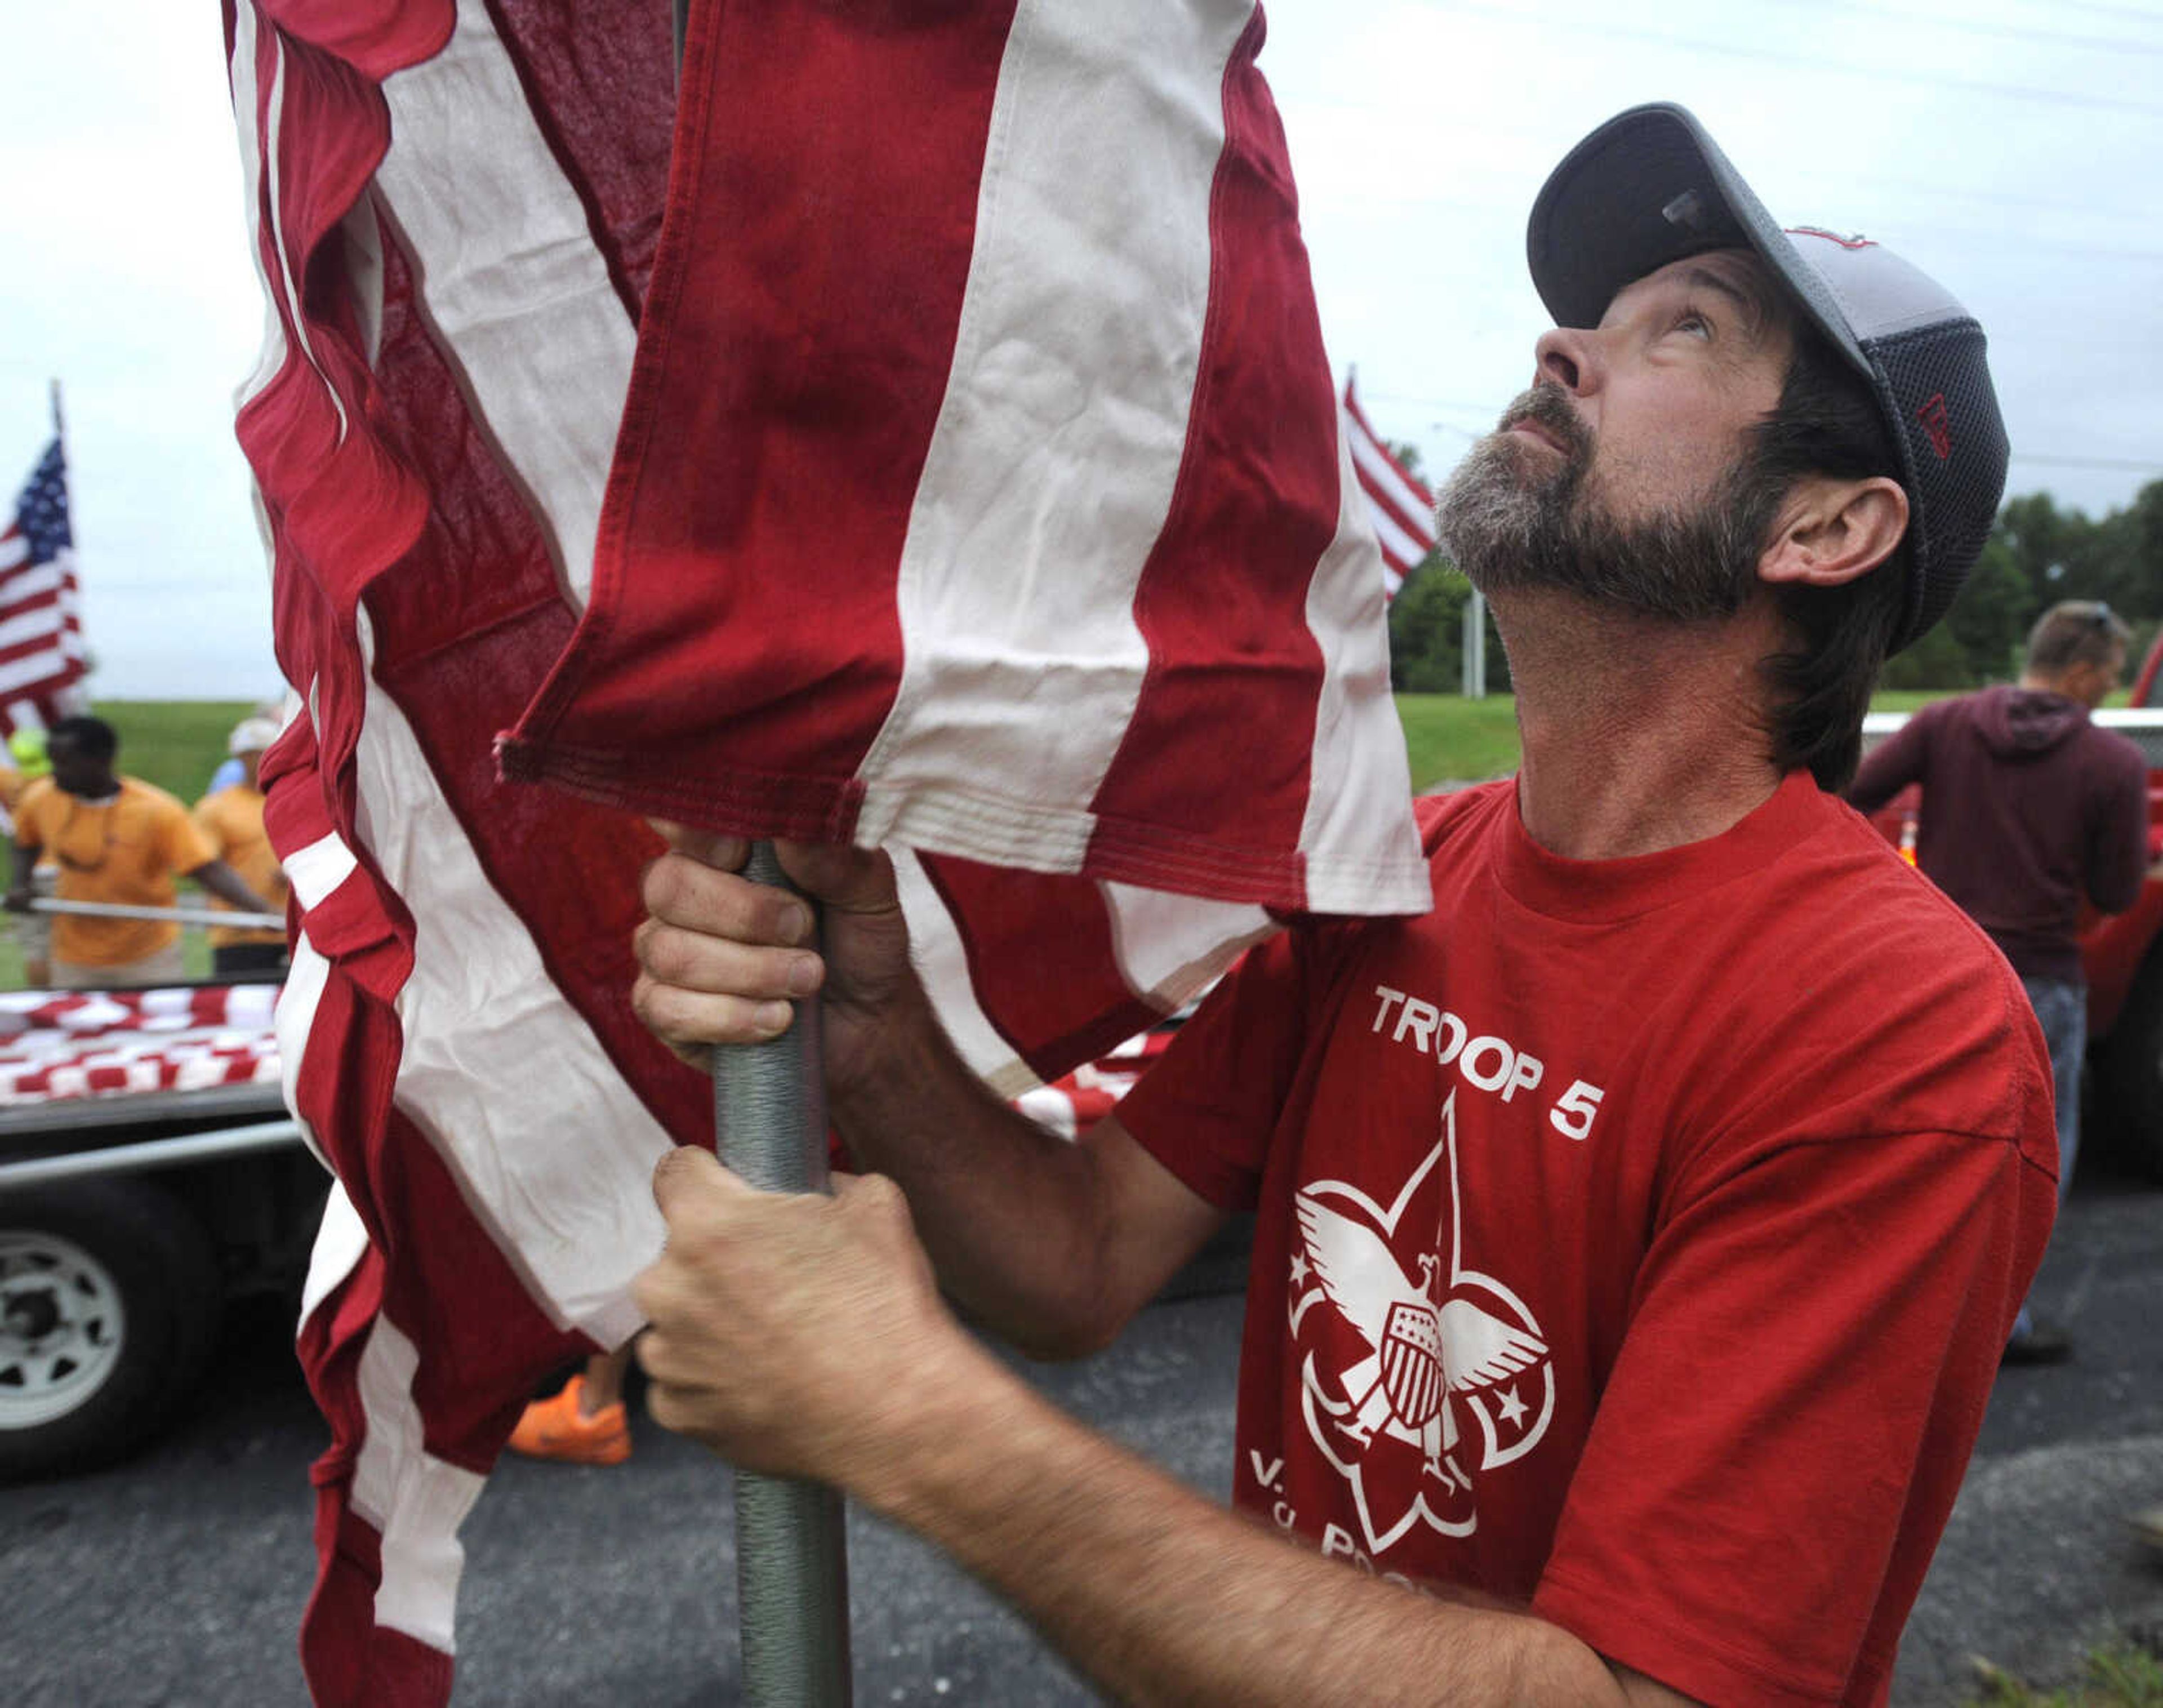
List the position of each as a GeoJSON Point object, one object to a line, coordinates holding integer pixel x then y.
{"type": "Point", "coordinates": [179, 1579]}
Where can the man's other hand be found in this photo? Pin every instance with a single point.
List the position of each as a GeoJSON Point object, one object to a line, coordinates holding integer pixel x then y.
{"type": "Point", "coordinates": [723, 960]}
{"type": "Point", "coordinates": [796, 1334]}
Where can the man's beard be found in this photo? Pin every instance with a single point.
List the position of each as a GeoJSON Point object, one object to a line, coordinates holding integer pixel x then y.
{"type": "Point", "coordinates": [1508, 527]}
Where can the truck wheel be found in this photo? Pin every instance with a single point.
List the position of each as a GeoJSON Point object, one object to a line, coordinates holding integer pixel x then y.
{"type": "Point", "coordinates": [108, 1303]}
{"type": "Point", "coordinates": [2130, 1067]}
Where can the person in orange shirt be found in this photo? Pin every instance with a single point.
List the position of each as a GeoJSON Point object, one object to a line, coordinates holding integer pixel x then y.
{"type": "Point", "coordinates": [116, 840]}
{"type": "Point", "coordinates": [231, 819]}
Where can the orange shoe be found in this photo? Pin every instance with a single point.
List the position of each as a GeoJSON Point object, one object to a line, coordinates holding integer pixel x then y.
{"type": "Point", "coordinates": [557, 1429]}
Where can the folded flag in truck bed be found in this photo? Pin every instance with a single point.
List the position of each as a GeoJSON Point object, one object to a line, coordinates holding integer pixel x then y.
{"type": "Point", "coordinates": [57, 1045]}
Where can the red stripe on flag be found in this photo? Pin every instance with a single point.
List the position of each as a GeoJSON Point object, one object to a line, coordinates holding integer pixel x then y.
{"type": "Point", "coordinates": [44, 600]}
{"type": "Point", "coordinates": [1240, 545]}
{"type": "Point", "coordinates": [1381, 497]}
{"type": "Point", "coordinates": [1055, 996]}
{"type": "Point", "coordinates": [492, 624]}
{"type": "Point", "coordinates": [811, 348]}
{"type": "Point", "coordinates": [592, 95]}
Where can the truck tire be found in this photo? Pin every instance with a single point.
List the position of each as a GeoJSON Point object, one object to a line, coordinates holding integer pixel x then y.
{"type": "Point", "coordinates": [109, 1301]}
{"type": "Point", "coordinates": [2129, 1067]}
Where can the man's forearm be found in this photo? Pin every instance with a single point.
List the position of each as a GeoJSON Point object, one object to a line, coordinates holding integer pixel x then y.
{"type": "Point", "coordinates": [1163, 1597]}
{"type": "Point", "coordinates": [1010, 1214]}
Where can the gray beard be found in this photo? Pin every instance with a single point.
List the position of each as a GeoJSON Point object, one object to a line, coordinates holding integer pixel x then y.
{"type": "Point", "coordinates": [1508, 525]}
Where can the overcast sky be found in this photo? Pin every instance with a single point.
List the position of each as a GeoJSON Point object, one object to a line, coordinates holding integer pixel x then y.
{"type": "Point", "coordinates": [2009, 147]}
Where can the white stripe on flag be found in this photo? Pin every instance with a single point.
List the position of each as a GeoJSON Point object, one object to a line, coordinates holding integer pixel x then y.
{"type": "Point", "coordinates": [1061, 436]}
{"type": "Point", "coordinates": [31, 625]}
{"type": "Point", "coordinates": [48, 577]}
{"type": "Point", "coordinates": [317, 870]}
{"type": "Point", "coordinates": [15, 549]}
{"type": "Point", "coordinates": [1377, 470]}
{"type": "Point", "coordinates": [1171, 946]}
{"type": "Point", "coordinates": [513, 283]}
{"type": "Point", "coordinates": [245, 99]}
{"type": "Point", "coordinates": [340, 1244]}
{"type": "Point", "coordinates": [1342, 613]}
{"type": "Point", "coordinates": [1400, 547]}
{"type": "Point", "coordinates": [415, 1500]}
{"type": "Point", "coordinates": [489, 1039]}
{"type": "Point", "coordinates": [1051, 1110]}
{"type": "Point", "coordinates": [934, 948]}
{"type": "Point", "coordinates": [38, 667]}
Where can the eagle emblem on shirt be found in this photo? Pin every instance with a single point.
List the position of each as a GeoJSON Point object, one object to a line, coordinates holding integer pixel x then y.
{"type": "Point", "coordinates": [1444, 1372]}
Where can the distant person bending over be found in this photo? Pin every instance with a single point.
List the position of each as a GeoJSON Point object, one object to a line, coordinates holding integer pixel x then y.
{"type": "Point", "coordinates": [116, 840]}
{"type": "Point", "coordinates": [231, 819]}
{"type": "Point", "coordinates": [2027, 807]}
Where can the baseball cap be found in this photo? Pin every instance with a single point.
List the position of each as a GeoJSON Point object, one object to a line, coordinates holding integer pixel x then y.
{"type": "Point", "coordinates": [252, 736]}
{"type": "Point", "coordinates": [1650, 187]}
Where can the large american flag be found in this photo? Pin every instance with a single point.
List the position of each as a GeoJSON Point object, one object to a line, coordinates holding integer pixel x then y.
{"type": "Point", "coordinates": [456, 207]}
{"type": "Point", "coordinates": [42, 661]}
{"type": "Point", "coordinates": [1400, 503]}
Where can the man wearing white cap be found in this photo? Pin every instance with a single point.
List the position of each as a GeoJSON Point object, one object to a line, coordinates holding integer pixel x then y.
{"type": "Point", "coordinates": [1636, 1234]}
{"type": "Point", "coordinates": [231, 818]}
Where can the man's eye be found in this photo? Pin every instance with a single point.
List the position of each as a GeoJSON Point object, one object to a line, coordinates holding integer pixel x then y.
{"type": "Point", "coordinates": [1692, 321]}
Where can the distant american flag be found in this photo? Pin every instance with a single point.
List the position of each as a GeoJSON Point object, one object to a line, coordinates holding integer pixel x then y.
{"type": "Point", "coordinates": [1402, 507]}
{"type": "Point", "coordinates": [41, 653]}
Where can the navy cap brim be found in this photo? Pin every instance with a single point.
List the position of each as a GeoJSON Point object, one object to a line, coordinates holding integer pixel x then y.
{"type": "Point", "coordinates": [1650, 187]}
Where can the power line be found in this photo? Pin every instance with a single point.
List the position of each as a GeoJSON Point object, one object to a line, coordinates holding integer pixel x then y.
{"type": "Point", "coordinates": [2140, 13]}
{"type": "Point", "coordinates": [2000, 32]}
{"type": "Point", "coordinates": [1492, 412]}
{"type": "Point", "coordinates": [2130, 465]}
{"type": "Point", "coordinates": [2018, 91]}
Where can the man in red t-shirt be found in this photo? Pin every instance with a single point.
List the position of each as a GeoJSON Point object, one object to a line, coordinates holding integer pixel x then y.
{"type": "Point", "coordinates": [1635, 1233]}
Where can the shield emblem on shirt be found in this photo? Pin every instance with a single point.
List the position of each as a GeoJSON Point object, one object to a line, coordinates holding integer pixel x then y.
{"type": "Point", "coordinates": [1456, 1377]}
{"type": "Point", "coordinates": [1411, 1363]}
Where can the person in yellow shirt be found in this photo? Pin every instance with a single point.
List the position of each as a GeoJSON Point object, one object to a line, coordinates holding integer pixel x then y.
{"type": "Point", "coordinates": [231, 819]}
{"type": "Point", "coordinates": [116, 840]}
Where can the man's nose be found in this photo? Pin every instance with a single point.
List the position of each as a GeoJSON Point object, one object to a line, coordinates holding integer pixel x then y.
{"type": "Point", "coordinates": [1569, 358]}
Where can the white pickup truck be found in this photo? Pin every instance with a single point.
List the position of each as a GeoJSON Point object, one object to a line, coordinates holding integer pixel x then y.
{"type": "Point", "coordinates": [148, 1172]}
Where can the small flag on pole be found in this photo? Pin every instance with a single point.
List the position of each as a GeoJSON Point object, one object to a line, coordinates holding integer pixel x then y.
{"type": "Point", "coordinates": [42, 660]}
{"type": "Point", "coordinates": [1401, 502]}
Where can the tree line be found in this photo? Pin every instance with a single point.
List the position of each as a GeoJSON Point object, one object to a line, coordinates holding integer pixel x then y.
{"type": "Point", "coordinates": [2039, 552]}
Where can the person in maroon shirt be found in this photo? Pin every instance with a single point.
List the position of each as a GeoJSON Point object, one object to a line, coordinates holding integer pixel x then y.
{"type": "Point", "coordinates": [1634, 1247]}
{"type": "Point", "coordinates": [2028, 810]}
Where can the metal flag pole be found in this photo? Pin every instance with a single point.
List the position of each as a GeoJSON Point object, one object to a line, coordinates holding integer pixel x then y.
{"type": "Point", "coordinates": [791, 1548]}
{"type": "Point", "coordinates": [792, 1551]}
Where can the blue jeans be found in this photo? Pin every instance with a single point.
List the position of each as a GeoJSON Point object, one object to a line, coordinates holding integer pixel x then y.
{"type": "Point", "coordinates": [2061, 1007]}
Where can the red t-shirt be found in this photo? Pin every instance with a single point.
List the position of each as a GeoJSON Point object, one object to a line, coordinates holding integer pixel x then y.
{"type": "Point", "coordinates": [1636, 1238]}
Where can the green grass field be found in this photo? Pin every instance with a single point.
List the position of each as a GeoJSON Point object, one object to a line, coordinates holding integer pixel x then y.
{"type": "Point", "coordinates": [176, 744]}
{"type": "Point", "coordinates": [173, 743]}
{"type": "Point", "coordinates": [1454, 740]}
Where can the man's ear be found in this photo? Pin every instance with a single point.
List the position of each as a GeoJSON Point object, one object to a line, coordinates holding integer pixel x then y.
{"type": "Point", "coordinates": [1830, 532]}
